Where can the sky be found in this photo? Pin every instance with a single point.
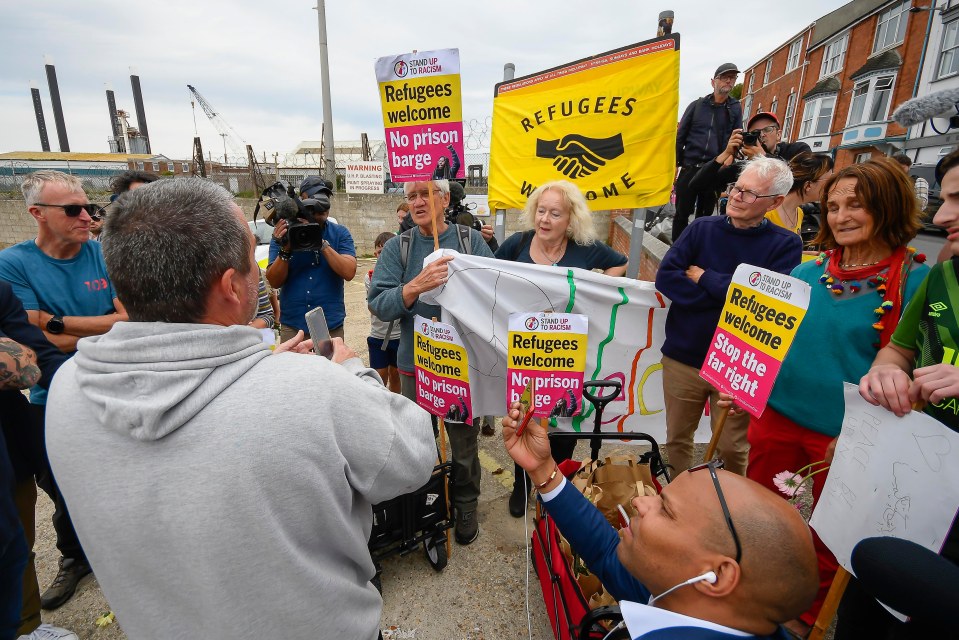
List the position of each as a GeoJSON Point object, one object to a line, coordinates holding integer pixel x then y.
{"type": "Point", "coordinates": [258, 64]}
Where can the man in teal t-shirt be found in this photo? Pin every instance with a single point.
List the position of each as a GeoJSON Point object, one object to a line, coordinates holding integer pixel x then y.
{"type": "Point", "coordinates": [61, 279]}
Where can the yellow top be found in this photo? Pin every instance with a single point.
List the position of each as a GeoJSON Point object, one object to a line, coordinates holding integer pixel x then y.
{"type": "Point", "coordinates": [777, 220]}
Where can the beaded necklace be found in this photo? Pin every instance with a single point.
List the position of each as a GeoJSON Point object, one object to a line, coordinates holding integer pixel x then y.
{"type": "Point", "coordinates": [878, 281]}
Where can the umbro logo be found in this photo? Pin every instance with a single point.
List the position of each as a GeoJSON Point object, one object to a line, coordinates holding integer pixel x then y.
{"type": "Point", "coordinates": [936, 308]}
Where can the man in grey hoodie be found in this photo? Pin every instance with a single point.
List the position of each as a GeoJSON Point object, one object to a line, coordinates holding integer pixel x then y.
{"type": "Point", "coordinates": [205, 511]}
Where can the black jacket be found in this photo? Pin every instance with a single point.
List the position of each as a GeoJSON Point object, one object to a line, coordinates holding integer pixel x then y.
{"type": "Point", "coordinates": [714, 177]}
{"type": "Point", "coordinates": [705, 128]}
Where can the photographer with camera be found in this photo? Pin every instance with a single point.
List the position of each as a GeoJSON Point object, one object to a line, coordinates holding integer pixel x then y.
{"type": "Point", "coordinates": [761, 138]}
{"type": "Point", "coordinates": [311, 257]}
{"type": "Point", "coordinates": [459, 213]}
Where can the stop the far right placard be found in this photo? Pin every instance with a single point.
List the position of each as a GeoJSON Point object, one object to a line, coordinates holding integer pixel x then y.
{"type": "Point", "coordinates": [756, 328]}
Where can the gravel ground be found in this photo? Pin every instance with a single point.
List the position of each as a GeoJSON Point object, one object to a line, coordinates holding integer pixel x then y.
{"type": "Point", "coordinates": [482, 593]}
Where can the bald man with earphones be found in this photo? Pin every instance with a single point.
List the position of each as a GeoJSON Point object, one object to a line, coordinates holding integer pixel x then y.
{"type": "Point", "coordinates": [713, 556]}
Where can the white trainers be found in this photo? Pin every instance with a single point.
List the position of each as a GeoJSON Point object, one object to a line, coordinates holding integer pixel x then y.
{"type": "Point", "coordinates": [49, 632]}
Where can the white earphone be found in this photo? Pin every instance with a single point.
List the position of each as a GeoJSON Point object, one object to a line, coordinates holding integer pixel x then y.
{"type": "Point", "coordinates": [709, 576]}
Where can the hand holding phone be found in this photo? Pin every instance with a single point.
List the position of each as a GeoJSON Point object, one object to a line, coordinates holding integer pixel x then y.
{"type": "Point", "coordinates": [319, 333]}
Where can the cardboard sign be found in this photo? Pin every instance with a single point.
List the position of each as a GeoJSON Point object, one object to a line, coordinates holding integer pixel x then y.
{"type": "Point", "coordinates": [550, 347]}
{"type": "Point", "coordinates": [442, 370]}
{"type": "Point", "coordinates": [422, 114]}
{"type": "Point", "coordinates": [607, 123]}
{"type": "Point", "coordinates": [364, 177]}
{"type": "Point", "coordinates": [756, 328]}
{"type": "Point", "coordinates": [890, 476]}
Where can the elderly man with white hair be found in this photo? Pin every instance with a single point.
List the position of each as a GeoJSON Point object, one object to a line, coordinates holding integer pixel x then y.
{"type": "Point", "coordinates": [694, 275]}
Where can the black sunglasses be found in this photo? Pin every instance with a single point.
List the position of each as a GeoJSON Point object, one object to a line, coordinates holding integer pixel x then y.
{"type": "Point", "coordinates": [73, 210]}
{"type": "Point", "coordinates": [712, 466]}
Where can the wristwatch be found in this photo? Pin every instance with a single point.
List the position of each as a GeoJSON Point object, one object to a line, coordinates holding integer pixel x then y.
{"type": "Point", "coordinates": [326, 243]}
{"type": "Point", "coordinates": [55, 324]}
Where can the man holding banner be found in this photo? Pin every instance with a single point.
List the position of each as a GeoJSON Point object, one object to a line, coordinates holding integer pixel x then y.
{"type": "Point", "coordinates": [398, 281]}
{"type": "Point", "coordinates": [695, 275]}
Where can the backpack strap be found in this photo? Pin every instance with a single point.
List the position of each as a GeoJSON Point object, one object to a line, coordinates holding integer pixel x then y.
{"type": "Point", "coordinates": [464, 235]}
{"type": "Point", "coordinates": [406, 241]}
{"type": "Point", "coordinates": [525, 240]}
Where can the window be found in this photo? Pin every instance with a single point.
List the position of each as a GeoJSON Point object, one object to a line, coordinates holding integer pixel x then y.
{"type": "Point", "coordinates": [747, 106]}
{"type": "Point", "coordinates": [774, 106]}
{"type": "Point", "coordinates": [892, 27]}
{"type": "Point", "coordinates": [140, 166]}
{"type": "Point", "coordinates": [790, 113]}
{"type": "Point", "coordinates": [949, 55]}
{"type": "Point", "coordinates": [795, 50]}
{"type": "Point", "coordinates": [186, 167]}
{"type": "Point", "coordinates": [169, 167]}
{"type": "Point", "coordinates": [769, 67]}
{"type": "Point", "coordinates": [870, 100]}
{"type": "Point", "coordinates": [862, 157]}
{"type": "Point", "coordinates": [833, 56]}
{"type": "Point", "coordinates": [817, 117]}
{"type": "Point", "coordinates": [156, 166]}
{"type": "Point", "coordinates": [752, 77]}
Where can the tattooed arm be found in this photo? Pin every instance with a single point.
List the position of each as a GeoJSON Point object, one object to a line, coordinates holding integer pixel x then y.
{"type": "Point", "coordinates": [18, 365]}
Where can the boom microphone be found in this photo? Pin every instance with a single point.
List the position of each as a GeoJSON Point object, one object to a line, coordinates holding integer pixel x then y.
{"type": "Point", "coordinates": [938, 104]}
{"type": "Point", "coordinates": [909, 578]}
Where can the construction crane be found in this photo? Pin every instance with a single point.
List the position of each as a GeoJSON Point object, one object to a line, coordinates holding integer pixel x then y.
{"type": "Point", "coordinates": [228, 133]}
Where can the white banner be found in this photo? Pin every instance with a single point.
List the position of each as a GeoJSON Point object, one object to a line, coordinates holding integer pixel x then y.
{"type": "Point", "coordinates": [626, 332]}
{"type": "Point", "coordinates": [364, 177]}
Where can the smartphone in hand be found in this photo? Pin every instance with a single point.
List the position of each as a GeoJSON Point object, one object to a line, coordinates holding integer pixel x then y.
{"type": "Point", "coordinates": [319, 333]}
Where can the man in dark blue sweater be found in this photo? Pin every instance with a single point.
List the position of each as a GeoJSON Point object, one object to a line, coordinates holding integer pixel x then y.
{"type": "Point", "coordinates": [694, 275]}
{"type": "Point", "coordinates": [714, 556]}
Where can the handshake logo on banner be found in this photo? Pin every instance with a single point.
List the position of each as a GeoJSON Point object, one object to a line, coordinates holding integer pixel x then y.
{"type": "Point", "coordinates": [577, 156]}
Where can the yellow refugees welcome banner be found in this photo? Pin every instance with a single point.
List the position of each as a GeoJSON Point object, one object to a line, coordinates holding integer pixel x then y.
{"type": "Point", "coordinates": [606, 123]}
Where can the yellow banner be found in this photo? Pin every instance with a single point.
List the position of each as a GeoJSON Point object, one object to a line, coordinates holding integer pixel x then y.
{"type": "Point", "coordinates": [424, 100]}
{"type": "Point", "coordinates": [606, 123]}
{"type": "Point", "coordinates": [763, 322]}
{"type": "Point", "coordinates": [441, 358]}
{"type": "Point", "coordinates": [537, 351]}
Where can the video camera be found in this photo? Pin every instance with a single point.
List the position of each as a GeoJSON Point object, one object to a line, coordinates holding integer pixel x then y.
{"type": "Point", "coordinates": [282, 203]}
{"type": "Point", "coordinates": [459, 212]}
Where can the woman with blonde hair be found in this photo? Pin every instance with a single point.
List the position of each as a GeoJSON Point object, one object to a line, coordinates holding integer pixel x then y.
{"type": "Point", "coordinates": [560, 233]}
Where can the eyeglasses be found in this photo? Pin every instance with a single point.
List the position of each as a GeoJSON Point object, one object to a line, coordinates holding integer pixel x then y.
{"type": "Point", "coordinates": [412, 196]}
{"type": "Point", "coordinates": [746, 195]}
{"type": "Point", "coordinates": [769, 128]}
{"type": "Point", "coordinates": [712, 466]}
{"type": "Point", "coordinates": [73, 210]}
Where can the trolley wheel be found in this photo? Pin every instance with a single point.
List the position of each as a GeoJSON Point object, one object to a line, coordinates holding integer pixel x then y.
{"type": "Point", "coordinates": [435, 549]}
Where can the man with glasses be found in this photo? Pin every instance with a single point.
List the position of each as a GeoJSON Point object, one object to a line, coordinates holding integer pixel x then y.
{"type": "Point", "coordinates": [62, 281]}
{"type": "Point", "coordinates": [694, 275]}
{"type": "Point", "coordinates": [766, 132]}
{"type": "Point", "coordinates": [398, 281]}
{"type": "Point", "coordinates": [704, 128]}
{"type": "Point", "coordinates": [714, 555]}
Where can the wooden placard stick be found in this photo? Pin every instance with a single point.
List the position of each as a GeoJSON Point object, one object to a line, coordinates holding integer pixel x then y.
{"type": "Point", "coordinates": [714, 441]}
{"type": "Point", "coordinates": [442, 427]}
{"type": "Point", "coordinates": [436, 237]}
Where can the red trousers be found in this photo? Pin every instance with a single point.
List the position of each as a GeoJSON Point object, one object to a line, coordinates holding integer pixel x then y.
{"type": "Point", "coordinates": [778, 444]}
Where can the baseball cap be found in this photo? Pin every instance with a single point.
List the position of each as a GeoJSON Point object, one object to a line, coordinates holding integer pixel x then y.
{"type": "Point", "coordinates": [725, 68]}
{"type": "Point", "coordinates": [763, 114]}
{"type": "Point", "coordinates": [313, 185]}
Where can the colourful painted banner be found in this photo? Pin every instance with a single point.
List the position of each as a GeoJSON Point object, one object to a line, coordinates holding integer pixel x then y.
{"type": "Point", "coordinates": [422, 114]}
{"type": "Point", "coordinates": [756, 328]}
{"type": "Point", "coordinates": [550, 347]}
{"type": "Point", "coordinates": [442, 371]}
{"type": "Point", "coordinates": [607, 123]}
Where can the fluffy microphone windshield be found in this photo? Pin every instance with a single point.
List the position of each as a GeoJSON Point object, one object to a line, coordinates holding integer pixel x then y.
{"type": "Point", "coordinates": [940, 103]}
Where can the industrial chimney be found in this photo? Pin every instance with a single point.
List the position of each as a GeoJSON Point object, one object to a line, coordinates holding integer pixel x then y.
{"type": "Point", "coordinates": [57, 107]}
{"type": "Point", "coordinates": [41, 122]}
{"type": "Point", "coordinates": [138, 105]}
{"type": "Point", "coordinates": [116, 143]}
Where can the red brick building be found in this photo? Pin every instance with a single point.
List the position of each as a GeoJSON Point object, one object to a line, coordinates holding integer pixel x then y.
{"type": "Point", "coordinates": [836, 83]}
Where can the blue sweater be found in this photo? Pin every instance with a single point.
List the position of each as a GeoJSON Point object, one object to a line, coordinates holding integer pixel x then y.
{"type": "Point", "coordinates": [715, 245]}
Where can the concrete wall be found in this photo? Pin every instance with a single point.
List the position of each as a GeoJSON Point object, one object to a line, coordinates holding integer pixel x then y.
{"type": "Point", "coordinates": [366, 216]}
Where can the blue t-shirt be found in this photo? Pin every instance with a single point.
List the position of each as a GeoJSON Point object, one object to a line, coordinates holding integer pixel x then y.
{"type": "Point", "coordinates": [582, 256]}
{"type": "Point", "coordinates": [312, 282]}
{"type": "Point", "coordinates": [78, 286]}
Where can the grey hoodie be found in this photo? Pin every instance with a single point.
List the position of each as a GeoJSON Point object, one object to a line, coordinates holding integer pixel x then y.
{"type": "Point", "coordinates": [222, 491]}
